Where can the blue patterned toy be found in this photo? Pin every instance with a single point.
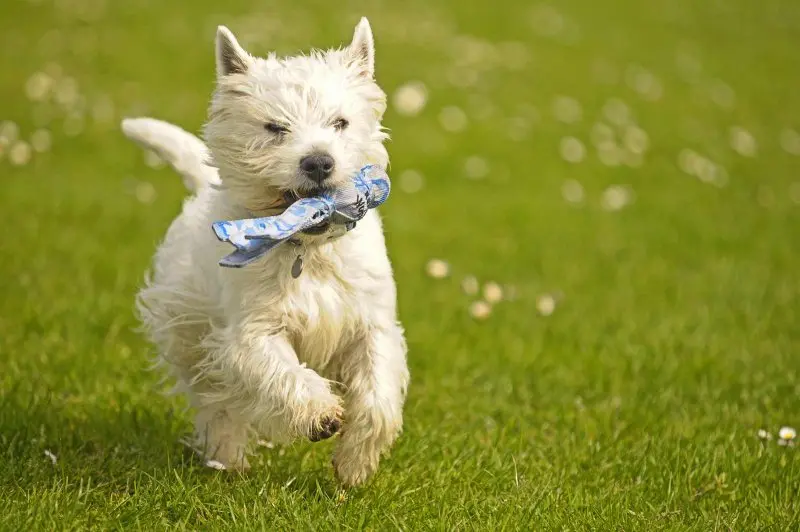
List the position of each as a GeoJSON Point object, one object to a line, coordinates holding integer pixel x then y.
{"type": "Point", "coordinates": [343, 207]}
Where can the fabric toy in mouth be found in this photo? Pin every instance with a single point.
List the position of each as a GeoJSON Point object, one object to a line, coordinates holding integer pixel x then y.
{"type": "Point", "coordinates": [342, 206]}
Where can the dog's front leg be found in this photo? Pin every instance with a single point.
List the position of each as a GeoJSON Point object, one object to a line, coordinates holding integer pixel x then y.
{"type": "Point", "coordinates": [376, 378]}
{"type": "Point", "coordinates": [280, 396]}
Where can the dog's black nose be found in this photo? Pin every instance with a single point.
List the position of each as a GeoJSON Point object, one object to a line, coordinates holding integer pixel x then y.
{"type": "Point", "coordinates": [317, 166]}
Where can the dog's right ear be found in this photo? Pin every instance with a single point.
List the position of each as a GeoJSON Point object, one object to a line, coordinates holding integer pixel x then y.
{"type": "Point", "coordinates": [231, 58]}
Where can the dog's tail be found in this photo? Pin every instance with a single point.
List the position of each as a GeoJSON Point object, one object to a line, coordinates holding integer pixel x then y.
{"type": "Point", "coordinates": [183, 151]}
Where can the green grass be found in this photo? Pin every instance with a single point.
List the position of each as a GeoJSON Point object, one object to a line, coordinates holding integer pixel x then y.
{"type": "Point", "coordinates": [634, 406]}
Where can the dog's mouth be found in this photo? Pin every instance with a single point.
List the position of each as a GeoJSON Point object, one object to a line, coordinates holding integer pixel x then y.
{"type": "Point", "coordinates": [291, 196]}
{"type": "Point", "coordinates": [307, 192]}
{"type": "Point", "coordinates": [317, 229]}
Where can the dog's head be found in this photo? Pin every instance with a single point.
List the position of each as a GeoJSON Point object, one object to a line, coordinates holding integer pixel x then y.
{"type": "Point", "coordinates": [296, 124]}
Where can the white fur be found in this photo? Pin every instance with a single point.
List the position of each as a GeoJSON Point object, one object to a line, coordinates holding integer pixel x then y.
{"type": "Point", "coordinates": [255, 349]}
{"type": "Point", "coordinates": [183, 151]}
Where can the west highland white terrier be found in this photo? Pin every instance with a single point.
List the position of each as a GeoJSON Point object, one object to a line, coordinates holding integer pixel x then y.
{"type": "Point", "coordinates": [258, 350]}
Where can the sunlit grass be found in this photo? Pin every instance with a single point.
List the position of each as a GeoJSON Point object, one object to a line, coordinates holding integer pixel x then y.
{"type": "Point", "coordinates": [626, 175]}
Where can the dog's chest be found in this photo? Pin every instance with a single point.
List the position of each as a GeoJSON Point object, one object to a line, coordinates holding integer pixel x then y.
{"type": "Point", "coordinates": [322, 318]}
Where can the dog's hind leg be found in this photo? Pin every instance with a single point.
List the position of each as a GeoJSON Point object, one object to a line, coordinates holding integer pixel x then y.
{"type": "Point", "coordinates": [222, 436]}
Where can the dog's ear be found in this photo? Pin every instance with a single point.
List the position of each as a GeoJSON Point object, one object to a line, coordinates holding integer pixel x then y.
{"type": "Point", "coordinates": [231, 58]}
{"type": "Point", "coordinates": [362, 49]}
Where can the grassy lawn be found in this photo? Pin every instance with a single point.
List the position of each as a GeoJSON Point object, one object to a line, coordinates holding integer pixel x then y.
{"type": "Point", "coordinates": [638, 161]}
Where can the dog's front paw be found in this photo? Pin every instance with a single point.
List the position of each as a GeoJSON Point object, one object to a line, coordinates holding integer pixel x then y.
{"type": "Point", "coordinates": [325, 428]}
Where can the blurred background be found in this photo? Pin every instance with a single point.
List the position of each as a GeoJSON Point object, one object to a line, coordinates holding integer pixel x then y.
{"type": "Point", "coordinates": [594, 231]}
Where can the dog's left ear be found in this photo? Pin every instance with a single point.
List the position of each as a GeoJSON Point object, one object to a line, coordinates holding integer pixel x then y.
{"type": "Point", "coordinates": [362, 49]}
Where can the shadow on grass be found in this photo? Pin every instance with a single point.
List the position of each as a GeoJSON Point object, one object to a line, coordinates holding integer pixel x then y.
{"type": "Point", "coordinates": [119, 446]}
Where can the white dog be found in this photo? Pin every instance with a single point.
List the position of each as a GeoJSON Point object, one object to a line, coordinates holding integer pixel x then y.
{"type": "Point", "coordinates": [256, 349]}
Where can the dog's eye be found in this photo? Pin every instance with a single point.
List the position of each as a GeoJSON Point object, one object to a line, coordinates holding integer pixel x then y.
{"type": "Point", "coordinates": [278, 129]}
{"type": "Point", "coordinates": [341, 124]}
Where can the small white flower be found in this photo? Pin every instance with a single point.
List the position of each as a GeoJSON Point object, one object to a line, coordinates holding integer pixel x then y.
{"type": "Point", "coordinates": [480, 310]}
{"type": "Point", "coordinates": [20, 153]}
{"type": "Point", "coordinates": [636, 139]}
{"type": "Point", "coordinates": [609, 153]}
{"type": "Point", "coordinates": [616, 197]}
{"type": "Point", "coordinates": [743, 142]}
{"type": "Point", "coordinates": [572, 191]}
{"type": "Point", "coordinates": [9, 132]}
{"type": "Point", "coordinates": [67, 92]}
{"type": "Point", "coordinates": [644, 82]}
{"type": "Point", "coordinates": [410, 99]}
{"type": "Point", "coordinates": [492, 292]}
{"type": "Point", "coordinates": [782, 442]}
{"type": "Point", "coordinates": [411, 181]}
{"type": "Point", "coordinates": [617, 112]}
{"type": "Point", "coordinates": [438, 269]}
{"type": "Point", "coordinates": [41, 140]}
{"type": "Point", "coordinates": [764, 435]}
{"type": "Point", "coordinates": [572, 150]}
{"type": "Point", "coordinates": [38, 86]}
{"type": "Point", "coordinates": [453, 119]}
{"type": "Point", "coordinates": [146, 192]}
{"type": "Point", "coordinates": [74, 124]}
{"type": "Point", "coordinates": [214, 464]}
{"type": "Point", "coordinates": [476, 167]}
{"type": "Point", "coordinates": [722, 94]}
{"type": "Point", "coordinates": [53, 458]}
{"type": "Point", "coordinates": [790, 141]}
{"type": "Point", "coordinates": [545, 304]}
{"type": "Point", "coordinates": [601, 133]}
{"type": "Point", "coordinates": [787, 433]}
{"type": "Point", "coordinates": [567, 110]}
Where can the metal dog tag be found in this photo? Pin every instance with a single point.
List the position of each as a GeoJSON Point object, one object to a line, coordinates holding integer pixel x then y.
{"type": "Point", "coordinates": [297, 267]}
